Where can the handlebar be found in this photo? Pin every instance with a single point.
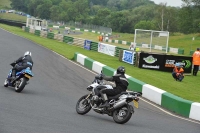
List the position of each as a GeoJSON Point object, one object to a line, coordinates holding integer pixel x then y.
{"type": "Point", "coordinates": [13, 64]}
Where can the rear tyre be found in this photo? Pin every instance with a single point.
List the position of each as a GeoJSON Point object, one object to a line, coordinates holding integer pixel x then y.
{"type": "Point", "coordinates": [20, 84]}
{"type": "Point", "coordinates": [122, 115]}
{"type": "Point", "coordinates": [83, 106]}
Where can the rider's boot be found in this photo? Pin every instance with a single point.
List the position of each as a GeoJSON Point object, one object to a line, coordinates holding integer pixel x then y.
{"type": "Point", "coordinates": [105, 98]}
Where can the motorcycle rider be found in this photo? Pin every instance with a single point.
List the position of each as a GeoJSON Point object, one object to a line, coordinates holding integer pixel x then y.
{"type": "Point", "coordinates": [121, 85]}
{"type": "Point", "coordinates": [24, 61]}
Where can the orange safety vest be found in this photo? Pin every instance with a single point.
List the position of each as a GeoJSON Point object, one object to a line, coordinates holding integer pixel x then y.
{"type": "Point", "coordinates": [196, 58]}
{"type": "Point", "coordinates": [178, 71]}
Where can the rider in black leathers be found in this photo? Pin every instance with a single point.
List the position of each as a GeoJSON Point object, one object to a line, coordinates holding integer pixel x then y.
{"type": "Point", "coordinates": [24, 61]}
{"type": "Point", "coordinates": [121, 85]}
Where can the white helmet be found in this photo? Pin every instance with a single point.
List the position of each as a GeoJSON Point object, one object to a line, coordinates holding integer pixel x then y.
{"type": "Point", "coordinates": [27, 53]}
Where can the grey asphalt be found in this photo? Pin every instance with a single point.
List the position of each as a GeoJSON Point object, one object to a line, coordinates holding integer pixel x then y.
{"type": "Point", "coordinates": [47, 104]}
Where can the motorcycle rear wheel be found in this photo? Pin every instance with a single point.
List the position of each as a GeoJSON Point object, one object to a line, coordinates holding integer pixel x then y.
{"type": "Point", "coordinates": [20, 84]}
{"type": "Point", "coordinates": [122, 115]}
{"type": "Point", "coordinates": [82, 106]}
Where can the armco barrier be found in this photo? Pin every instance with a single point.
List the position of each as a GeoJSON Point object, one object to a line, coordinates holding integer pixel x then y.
{"type": "Point", "coordinates": [168, 101]}
{"type": "Point", "coordinates": [13, 23]}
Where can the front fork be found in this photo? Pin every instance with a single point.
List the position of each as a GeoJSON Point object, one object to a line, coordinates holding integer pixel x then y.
{"type": "Point", "coordinates": [86, 99]}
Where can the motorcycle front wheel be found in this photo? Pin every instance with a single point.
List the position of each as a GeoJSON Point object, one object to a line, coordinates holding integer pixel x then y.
{"type": "Point", "coordinates": [6, 83]}
{"type": "Point", "coordinates": [122, 115]}
{"type": "Point", "coordinates": [83, 106]}
{"type": "Point", "coordinates": [20, 84]}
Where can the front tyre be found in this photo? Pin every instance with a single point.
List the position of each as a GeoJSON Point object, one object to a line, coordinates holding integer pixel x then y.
{"type": "Point", "coordinates": [83, 106]}
{"type": "Point", "coordinates": [6, 83]}
{"type": "Point", "coordinates": [122, 115]}
{"type": "Point", "coordinates": [20, 84]}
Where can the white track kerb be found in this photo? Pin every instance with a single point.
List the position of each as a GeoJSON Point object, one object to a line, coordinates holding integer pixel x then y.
{"type": "Point", "coordinates": [166, 100]}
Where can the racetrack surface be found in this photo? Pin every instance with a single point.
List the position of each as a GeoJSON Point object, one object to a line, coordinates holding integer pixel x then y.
{"type": "Point", "coordinates": [47, 104]}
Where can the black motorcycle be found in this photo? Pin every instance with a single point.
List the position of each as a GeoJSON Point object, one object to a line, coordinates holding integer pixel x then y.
{"type": "Point", "coordinates": [119, 107]}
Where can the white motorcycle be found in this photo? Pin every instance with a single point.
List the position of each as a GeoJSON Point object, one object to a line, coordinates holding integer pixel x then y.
{"type": "Point", "coordinates": [119, 107]}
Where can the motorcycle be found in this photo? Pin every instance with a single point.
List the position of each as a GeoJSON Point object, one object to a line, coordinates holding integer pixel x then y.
{"type": "Point", "coordinates": [21, 80]}
{"type": "Point", "coordinates": [119, 107]}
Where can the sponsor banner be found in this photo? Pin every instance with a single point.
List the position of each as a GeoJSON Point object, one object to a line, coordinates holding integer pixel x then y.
{"type": "Point", "coordinates": [173, 50]}
{"type": "Point", "coordinates": [158, 47]}
{"type": "Point", "coordinates": [124, 42]}
{"type": "Point", "coordinates": [151, 61]}
{"type": "Point", "coordinates": [185, 62]}
{"type": "Point", "coordinates": [145, 45]}
{"type": "Point", "coordinates": [77, 29]}
{"type": "Point", "coordinates": [87, 44]}
{"type": "Point", "coordinates": [164, 62]}
{"type": "Point", "coordinates": [67, 28]}
{"type": "Point", "coordinates": [128, 57]}
{"type": "Point", "coordinates": [106, 49]}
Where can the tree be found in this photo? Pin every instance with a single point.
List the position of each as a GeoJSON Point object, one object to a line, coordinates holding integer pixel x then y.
{"type": "Point", "coordinates": [147, 25]}
{"type": "Point", "coordinates": [55, 11]}
{"type": "Point", "coordinates": [21, 5]}
{"type": "Point", "coordinates": [100, 18]}
{"type": "Point", "coordinates": [191, 2]}
{"type": "Point", "coordinates": [42, 10]}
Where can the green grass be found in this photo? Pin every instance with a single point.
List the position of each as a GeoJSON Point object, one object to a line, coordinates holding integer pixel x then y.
{"type": "Point", "coordinates": [188, 89]}
{"type": "Point", "coordinates": [5, 4]}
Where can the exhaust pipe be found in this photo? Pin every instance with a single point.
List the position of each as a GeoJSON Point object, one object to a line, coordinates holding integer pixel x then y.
{"type": "Point", "coordinates": [119, 104]}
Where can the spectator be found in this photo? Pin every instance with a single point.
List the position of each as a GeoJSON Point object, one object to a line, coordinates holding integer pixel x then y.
{"type": "Point", "coordinates": [196, 61]}
{"type": "Point", "coordinates": [178, 72]}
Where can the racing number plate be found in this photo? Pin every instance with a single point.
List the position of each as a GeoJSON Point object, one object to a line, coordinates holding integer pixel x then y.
{"type": "Point", "coordinates": [135, 103]}
{"type": "Point", "coordinates": [26, 75]}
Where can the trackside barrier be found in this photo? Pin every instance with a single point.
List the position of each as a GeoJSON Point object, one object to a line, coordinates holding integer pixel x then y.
{"type": "Point", "coordinates": [192, 52]}
{"type": "Point", "coordinates": [37, 32]}
{"type": "Point", "coordinates": [32, 31]}
{"type": "Point", "coordinates": [117, 51]}
{"type": "Point", "coordinates": [78, 42]}
{"type": "Point", "coordinates": [43, 34]}
{"type": "Point", "coordinates": [58, 37]}
{"type": "Point", "coordinates": [177, 104]}
{"type": "Point", "coordinates": [172, 50]}
{"type": "Point", "coordinates": [27, 29]}
{"type": "Point", "coordinates": [68, 39]}
{"type": "Point", "coordinates": [50, 35]}
{"type": "Point", "coordinates": [166, 100]}
{"type": "Point", "coordinates": [94, 46]}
